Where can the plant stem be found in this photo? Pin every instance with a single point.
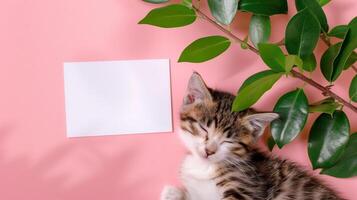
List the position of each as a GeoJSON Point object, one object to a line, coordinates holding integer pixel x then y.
{"type": "Point", "coordinates": [326, 40]}
{"type": "Point", "coordinates": [325, 91]}
{"type": "Point", "coordinates": [224, 30]}
{"type": "Point", "coordinates": [281, 42]}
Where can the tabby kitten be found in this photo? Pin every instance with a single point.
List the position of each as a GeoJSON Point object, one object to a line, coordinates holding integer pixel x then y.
{"type": "Point", "coordinates": [224, 162]}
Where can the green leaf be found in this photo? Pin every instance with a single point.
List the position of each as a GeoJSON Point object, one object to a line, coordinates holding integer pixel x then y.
{"type": "Point", "coordinates": [259, 29]}
{"type": "Point", "coordinates": [264, 7]}
{"type": "Point", "coordinates": [253, 88]}
{"type": "Point", "coordinates": [273, 56]}
{"type": "Point", "coordinates": [349, 44]}
{"type": "Point", "coordinates": [271, 143]}
{"type": "Point", "coordinates": [315, 9]}
{"type": "Point", "coordinates": [347, 165]}
{"type": "Point", "coordinates": [353, 89]}
{"type": "Point", "coordinates": [223, 10]}
{"type": "Point", "coordinates": [292, 108]}
{"type": "Point", "coordinates": [327, 139]}
{"type": "Point", "coordinates": [328, 105]}
{"type": "Point", "coordinates": [156, 1]}
{"type": "Point", "coordinates": [204, 49]}
{"type": "Point", "coordinates": [338, 31]}
{"type": "Point", "coordinates": [326, 63]}
{"type": "Point", "coordinates": [351, 60]}
{"type": "Point", "coordinates": [302, 34]}
{"type": "Point", "coordinates": [175, 15]}
{"type": "Point", "coordinates": [328, 68]}
{"type": "Point", "coordinates": [291, 61]}
{"type": "Point", "coordinates": [255, 77]}
{"type": "Point", "coordinates": [187, 3]}
{"type": "Point", "coordinates": [323, 2]}
{"type": "Point", "coordinates": [309, 63]}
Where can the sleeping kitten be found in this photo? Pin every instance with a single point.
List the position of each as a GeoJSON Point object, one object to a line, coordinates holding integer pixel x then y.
{"type": "Point", "coordinates": [224, 162]}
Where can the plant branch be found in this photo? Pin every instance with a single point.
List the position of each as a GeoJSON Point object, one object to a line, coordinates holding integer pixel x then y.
{"type": "Point", "coordinates": [223, 29]}
{"type": "Point", "coordinates": [281, 42]}
{"type": "Point", "coordinates": [327, 41]}
{"type": "Point", "coordinates": [325, 90]}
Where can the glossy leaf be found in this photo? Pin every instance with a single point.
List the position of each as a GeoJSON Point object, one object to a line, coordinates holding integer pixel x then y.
{"type": "Point", "coordinates": [264, 7]}
{"type": "Point", "coordinates": [302, 34]}
{"type": "Point", "coordinates": [328, 106]}
{"type": "Point", "coordinates": [327, 59]}
{"type": "Point", "coordinates": [204, 49]}
{"type": "Point", "coordinates": [223, 10]}
{"type": "Point", "coordinates": [323, 2]}
{"type": "Point", "coordinates": [253, 88]}
{"type": "Point", "coordinates": [338, 31]}
{"type": "Point", "coordinates": [156, 1]}
{"type": "Point", "coordinates": [349, 44]}
{"type": "Point", "coordinates": [187, 3]}
{"type": "Point", "coordinates": [271, 143]}
{"type": "Point", "coordinates": [328, 68]}
{"type": "Point", "coordinates": [353, 89]}
{"type": "Point", "coordinates": [259, 29]}
{"type": "Point", "coordinates": [255, 77]}
{"type": "Point", "coordinates": [273, 56]}
{"type": "Point", "coordinates": [351, 60]}
{"type": "Point", "coordinates": [347, 165]}
{"type": "Point", "coordinates": [328, 138]}
{"type": "Point", "coordinates": [175, 15]}
{"type": "Point", "coordinates": [309, 63]}
{"type": "Point", "coordinates": [292, 108]}
{"type": "Point", "coordinates": [315, 9]}
{"type": "Point", "coordinates": [291, 61]}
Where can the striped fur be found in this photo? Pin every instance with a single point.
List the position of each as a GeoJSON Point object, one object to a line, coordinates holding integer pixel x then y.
{"type": "Point", "coordinates": [225, 163]}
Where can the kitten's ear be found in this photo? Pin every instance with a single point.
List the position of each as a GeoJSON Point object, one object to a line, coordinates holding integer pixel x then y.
{"type": "Point", "coordinates": [197, 90]}
{"type": "Point", "coordinates": [258, 122]}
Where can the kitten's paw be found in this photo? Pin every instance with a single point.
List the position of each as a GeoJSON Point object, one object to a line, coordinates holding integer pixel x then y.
{"type": "Point", "coordinates": [172, 193]}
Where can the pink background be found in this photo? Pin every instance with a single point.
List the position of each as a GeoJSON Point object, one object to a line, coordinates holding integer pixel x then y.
{"type": "Point", "coordinates": [37, 161]}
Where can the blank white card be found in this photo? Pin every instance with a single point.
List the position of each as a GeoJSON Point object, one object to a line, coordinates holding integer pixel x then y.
{"type": "Point", "coordinates": [117, 97]}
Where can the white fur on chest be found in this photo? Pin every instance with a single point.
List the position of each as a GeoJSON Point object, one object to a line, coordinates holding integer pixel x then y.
{"type": "Point", "coordinates": [197, 176]}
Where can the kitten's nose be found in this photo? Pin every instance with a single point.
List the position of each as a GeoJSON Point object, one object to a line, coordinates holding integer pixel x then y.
{"type": "Point", "coordinates": [209, 151]}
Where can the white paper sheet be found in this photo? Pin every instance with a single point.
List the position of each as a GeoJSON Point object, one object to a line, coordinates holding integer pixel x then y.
{"type": "Point", "coordinates": [117, 97]}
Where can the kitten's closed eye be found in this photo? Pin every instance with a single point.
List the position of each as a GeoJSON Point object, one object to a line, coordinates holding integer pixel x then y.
{"type": "Point", "coordinates": [205, 130]}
